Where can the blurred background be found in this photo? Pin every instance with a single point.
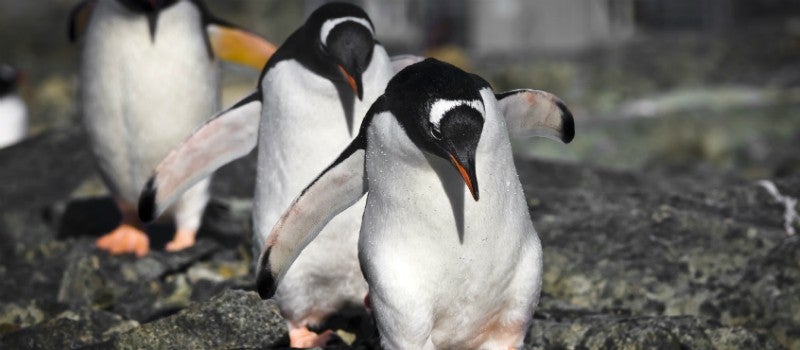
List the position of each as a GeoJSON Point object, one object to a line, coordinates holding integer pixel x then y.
{"type": "Point", "coordinates": [661, 85]}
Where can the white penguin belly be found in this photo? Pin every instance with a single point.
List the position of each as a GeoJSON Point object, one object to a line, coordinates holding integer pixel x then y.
{"type": "Point", "coordinates": [13, 120]}
{"type": "Point", "coordinates": [141, 97]}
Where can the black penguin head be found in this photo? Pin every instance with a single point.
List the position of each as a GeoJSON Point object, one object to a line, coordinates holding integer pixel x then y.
{"type": "Point", "coordinates": [441, 110]}
{"type": "Point", "coordinates": [9, 79]}
{"type": "Point", "coordinates": [344, 37]}
{"type": "Point", "coordinates": [151, 8]}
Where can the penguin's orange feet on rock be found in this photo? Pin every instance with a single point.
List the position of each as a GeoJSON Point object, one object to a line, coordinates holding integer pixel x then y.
{"type": "Point", "coordinates": [183, 239]}
{"type": "Point", "coordinates": [303, 338]}
{"type": "Point", "coordinates": [125, 239]}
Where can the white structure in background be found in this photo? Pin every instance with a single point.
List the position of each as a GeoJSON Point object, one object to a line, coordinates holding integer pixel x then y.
{"type": "Point", "coordinates": [400, 22]}
{"type": "Point", "coordinates": [511, 26]}
{"type": "Point", "coordinates": [13, 113]}
{"type": "Point", "coordinates": [500, 27]}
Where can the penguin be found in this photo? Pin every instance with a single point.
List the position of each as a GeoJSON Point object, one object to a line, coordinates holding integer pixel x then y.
{"type": "Point", "coordinates": [149, 76]}
{"type": "Point", "coordinates": [13, 112]}
{"type": "Point", "coordinates": [450, 265]}
{"type": "Point", "coordinates": [311, 97]}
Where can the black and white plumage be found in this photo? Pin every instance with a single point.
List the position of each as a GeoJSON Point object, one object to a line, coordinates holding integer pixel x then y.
{"type": "Point", "coordinates": [13, 112]}
{"type": "Point", "coordinates": [313, 92]}
{"type": "Point", "coordinates": [149, 76]}
{"type": "Point", "coordinates": [449, 264]}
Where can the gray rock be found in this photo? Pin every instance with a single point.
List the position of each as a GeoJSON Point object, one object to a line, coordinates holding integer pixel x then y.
{"type": "Point", "coordinates": [233, 319]}
{"type": "Point", "coordinates": [33, 273]}
{"type": "Point", "coordinates": [666, 246]}
{"type": "Point", "coordinates": [22, 314]}
{"type": "Point", "coordinates": [625, 332]}
{"type": "Point", "coordinates": [46, 169]}
{"type": "Point", "coordinates": [661, 258]}
{"type": "Point", "coordinates": [141, 289]}
{"type": "Point", "coordinates": [70, 329]}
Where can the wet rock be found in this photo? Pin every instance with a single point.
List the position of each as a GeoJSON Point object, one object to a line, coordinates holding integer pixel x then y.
{"type": "Point", "coordinates": [233, 319]}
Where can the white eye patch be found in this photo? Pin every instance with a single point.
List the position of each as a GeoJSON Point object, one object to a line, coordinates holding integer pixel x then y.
{"type": "Point", "coordinates": [332, 23]}
{"type": "Point", "coordinates": [441, 107]}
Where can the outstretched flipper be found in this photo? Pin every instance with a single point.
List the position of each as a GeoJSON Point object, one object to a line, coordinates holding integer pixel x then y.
{"type": "Point", "coordinates": [79, 18]}
{"type": "Point", "coordinates": [536, 113]}
{"type": "Point", "coordinates": [238, 45]}
{"type": "Point", "coordinates": [229, 135]}
{"type": "Point", "coordinates": [337, 188]}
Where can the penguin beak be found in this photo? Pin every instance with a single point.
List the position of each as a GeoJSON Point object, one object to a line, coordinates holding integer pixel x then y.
{"type": "Point", "coordinates": [467, 173]}
{"type": "Point", "coordinates": [354, 82]}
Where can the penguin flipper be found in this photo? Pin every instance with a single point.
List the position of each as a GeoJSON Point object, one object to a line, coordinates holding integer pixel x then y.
{"type": "Point", "coordinates": [536, 113]}
{"type": "Point", "coordinates": [400, 62]}
{"type": "Point", "coordinates": [238, 45]}
{"type": "Point", "coordinates": [227, 136]}
{"type": "Point", "coordinates": [79, 18]}
{"type": "Point", "coordinates": [340, 186]}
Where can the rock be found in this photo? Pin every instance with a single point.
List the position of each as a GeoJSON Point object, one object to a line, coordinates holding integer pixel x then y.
{"type": "Point", "coordinates": [233, 319]}
{"type": "Point", "coordinates": [22, 314]}
{"type": "Point", "coordinates": [141, 289]}
{"type": "Point", "coordinates": [626, 332]}
{"type": "Point", "coordinates": [33, 273]}
{"type": "Point", "coordinates": [46, 169]}
{"type": "Point", "coordinates": [70, 329]}
{"type": "Point", "coordinates": [662, 258]}
{"type": "Point", "coordinates": [666, 246]}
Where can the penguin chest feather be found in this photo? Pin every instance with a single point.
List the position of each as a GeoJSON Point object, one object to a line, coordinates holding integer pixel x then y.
{"type": "Point", "coordinates": [303, 129]}
{"type": "Point", "coordinates": [143, 95]}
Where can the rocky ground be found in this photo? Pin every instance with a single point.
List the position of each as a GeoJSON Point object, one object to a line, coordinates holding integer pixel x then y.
{"type": "Point", "coordinates": [697, 260]}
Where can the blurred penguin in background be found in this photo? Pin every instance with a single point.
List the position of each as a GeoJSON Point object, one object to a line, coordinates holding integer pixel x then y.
{"type": "Point", "coordinates": [149, 77]}
{"type": "Point", "coordinates": [13, 113]}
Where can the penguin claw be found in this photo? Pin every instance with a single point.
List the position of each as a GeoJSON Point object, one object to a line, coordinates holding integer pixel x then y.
{"type": "Point", "coordinates": [125, 239]}
{"type": "Point", "coordinates": [303, 338]}
{"type": "Point", "coordinates": [183, 239]}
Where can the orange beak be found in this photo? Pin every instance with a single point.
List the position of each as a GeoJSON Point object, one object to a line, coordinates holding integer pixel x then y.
{"type": "Point", "coordinates": [465, 176]}
{"type": "Point", "coordinates": [350, 81]}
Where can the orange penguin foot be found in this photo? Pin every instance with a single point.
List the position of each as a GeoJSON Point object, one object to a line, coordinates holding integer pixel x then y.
{"type": "Point", "coordinates": [304, 338]}
{"type": "Point", "coordinates": [183, 239]}
{"type": "Point", "coordinates": [125, 239]}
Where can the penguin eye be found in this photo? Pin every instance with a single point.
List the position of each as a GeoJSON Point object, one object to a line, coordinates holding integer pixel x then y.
{"type": "Point", "coordinates": [435, 132]}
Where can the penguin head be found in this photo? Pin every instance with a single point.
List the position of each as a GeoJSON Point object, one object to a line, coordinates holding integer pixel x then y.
{"type": "Point", "coordinates": [441, 110]}
{"type": "Point", "coordinates": [151, 8]}
{"type": "Point", "coordinates": [9, 79]}
{"type": "Point", "coordinates": [344, 38]}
